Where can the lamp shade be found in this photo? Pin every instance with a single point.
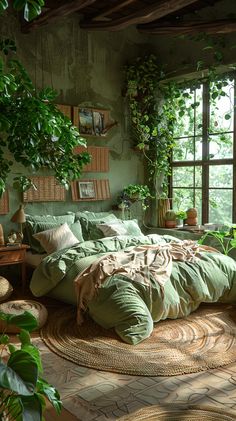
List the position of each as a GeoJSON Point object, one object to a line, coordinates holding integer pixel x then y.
{"type": "Point", "coordinates": [19, 215]}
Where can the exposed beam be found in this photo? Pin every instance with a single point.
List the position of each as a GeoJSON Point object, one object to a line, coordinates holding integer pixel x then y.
{"type": "Point", "coordinates": [108, 10]}
{"type": "Point", "coordinates": [222, 26]}
{"type": "Point", "coordinates": [64, 9]}
{"type": "Point", "coordinates": [144, 15]}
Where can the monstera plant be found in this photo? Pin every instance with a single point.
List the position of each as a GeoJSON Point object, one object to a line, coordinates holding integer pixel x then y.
{"type": "Point", "coordinates": [22, 389]}
{"type": "Point", "coordinates": [33, 132]}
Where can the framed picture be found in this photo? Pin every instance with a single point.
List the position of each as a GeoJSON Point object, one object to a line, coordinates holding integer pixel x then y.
{"type": "Point", "coordinates": [86, 190]}
{"type": "Point", "coordinates": [86, 121]}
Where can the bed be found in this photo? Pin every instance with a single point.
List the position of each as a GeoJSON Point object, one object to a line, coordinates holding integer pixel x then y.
{"type": "Point", "coordinates": [124, 279]}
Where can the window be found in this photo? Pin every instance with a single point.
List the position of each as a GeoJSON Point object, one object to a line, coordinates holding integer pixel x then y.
{"type": "Point", "coordinates": [203, 166]}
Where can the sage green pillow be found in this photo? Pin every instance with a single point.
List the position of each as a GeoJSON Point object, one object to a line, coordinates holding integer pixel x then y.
{"type": "Point", "coordinates": [59, 219]}
{"type": "Point", "coordinates": [91, 215]}
{"type": "Point", "coordinates": [89, 227]}
{"type": "Point", "coordinates": [132, 227]}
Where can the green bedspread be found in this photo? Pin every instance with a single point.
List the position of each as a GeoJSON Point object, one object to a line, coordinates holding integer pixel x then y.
{"type": "Point", "coordinates": [129, 307]}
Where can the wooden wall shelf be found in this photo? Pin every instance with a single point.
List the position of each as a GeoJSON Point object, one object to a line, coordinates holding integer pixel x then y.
{"type": "Point", "coordinates": [100, 158]}
{"type": "Point", "coordinates": [4, 203]}
{"type": "Point", "coordinates": [48, 190]}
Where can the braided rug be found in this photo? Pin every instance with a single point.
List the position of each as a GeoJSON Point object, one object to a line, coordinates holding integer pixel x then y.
{"type": "Point", "coordinates": [205, 339]}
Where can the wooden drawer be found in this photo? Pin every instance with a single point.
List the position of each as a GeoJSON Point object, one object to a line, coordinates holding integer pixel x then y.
{"type": "Point", "coordinates": [11, 256]}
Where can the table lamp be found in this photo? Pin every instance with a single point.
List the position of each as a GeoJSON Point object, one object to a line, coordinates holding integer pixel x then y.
{"type": "Point", "coordinates": [19, 217]}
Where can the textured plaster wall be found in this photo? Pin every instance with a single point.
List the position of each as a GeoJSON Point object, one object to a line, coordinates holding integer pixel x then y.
{"type": "Point", "coordinates": [86, 69]}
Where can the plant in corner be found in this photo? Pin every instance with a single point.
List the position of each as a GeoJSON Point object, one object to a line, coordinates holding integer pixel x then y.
{"type": "Point", "coordinates": [22, 390]}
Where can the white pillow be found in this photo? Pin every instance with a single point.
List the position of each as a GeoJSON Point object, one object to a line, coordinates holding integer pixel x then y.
{"type": "Point", "coordinates": [56, 238]}
{"type": "Point", "coordinates": [110, 229]}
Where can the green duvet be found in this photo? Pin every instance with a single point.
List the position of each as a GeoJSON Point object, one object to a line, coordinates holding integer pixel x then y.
{"type": "Point", "coordinates": [130, 307]}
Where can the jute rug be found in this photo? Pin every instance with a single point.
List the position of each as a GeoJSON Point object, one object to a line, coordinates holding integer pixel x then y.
{"type": "Point", "coordinates": [156, 413]}
{"type": "Point", "coordinates": [205, 339]}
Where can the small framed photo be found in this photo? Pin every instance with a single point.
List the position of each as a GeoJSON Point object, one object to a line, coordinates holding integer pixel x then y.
{"type": "Point", "coordinates": [86, 190]}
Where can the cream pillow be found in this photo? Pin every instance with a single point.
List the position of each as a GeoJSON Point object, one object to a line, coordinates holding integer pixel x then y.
{"type": "Point", "coordinates": [56, 238]}
{"type": "Point", "coordinates": [112, 228]}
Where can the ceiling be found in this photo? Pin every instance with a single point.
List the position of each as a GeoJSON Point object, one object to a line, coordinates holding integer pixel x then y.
{"type": "Point", "coordinates": [161, 17]}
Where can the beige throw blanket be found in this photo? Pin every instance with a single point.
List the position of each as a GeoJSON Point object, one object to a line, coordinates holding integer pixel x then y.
{"type": "Point", "coordinates": [137, 263]}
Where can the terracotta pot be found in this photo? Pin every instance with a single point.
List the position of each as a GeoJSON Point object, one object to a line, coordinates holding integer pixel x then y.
{"type": "Point", "coordinates": [191, 221]}
{"type": "Point", "coordinates": [170, 224]}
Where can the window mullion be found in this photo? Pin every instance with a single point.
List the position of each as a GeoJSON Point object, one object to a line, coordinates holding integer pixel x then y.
{"type": "Point", "coordinates": [205, 154]}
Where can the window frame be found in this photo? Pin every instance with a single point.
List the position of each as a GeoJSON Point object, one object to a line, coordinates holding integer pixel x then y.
{"type": "Point", "coordinates": [206, 162]}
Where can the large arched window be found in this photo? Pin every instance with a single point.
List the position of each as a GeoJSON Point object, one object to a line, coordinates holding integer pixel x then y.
{"type": "Point", "coordinates": [203, 160]}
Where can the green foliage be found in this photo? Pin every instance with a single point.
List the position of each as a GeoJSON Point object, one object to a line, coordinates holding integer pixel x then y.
{"type": "Point", "coordinates": [22, 390]}
{"type": "Point", "coordinates": [226, 244]}
{"type": "Point", "coordinates": [135, 192]}
{"type": "Point", "coordinates": [31, 8]}
{"type": "Point", "coordinates": [181, 214]}
{"type": "Point", "coordinates": [35, 132]}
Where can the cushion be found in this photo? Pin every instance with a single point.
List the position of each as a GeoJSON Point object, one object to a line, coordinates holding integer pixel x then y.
{"type": "Point", "coordinates": [89, 227]}
{"type": "Point", "coordinates": [47, 219]}
{"type": "Point", "coordinates": [5, 289]}
{"type": "Point", "coordinates": [119, 227]}
{"type": "Point", "coordinates": [56, 238]}
{"type": "Point", "coordinates": [90, 215]}
{"type": "Point", "coordinates": [36, 227]}
{"type": "Point", "coordinates": [18, 307]}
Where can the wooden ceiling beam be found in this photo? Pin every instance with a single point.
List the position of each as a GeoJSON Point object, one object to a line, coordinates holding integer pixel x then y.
{"type": "Point", "coordinates": [221, 26]}
{"type": "Point", "coordinates": [64, 9]}
{"type": "Point", "coordinates": [108, 10]}
{"type": "Point", "coordinates": [146, 14]}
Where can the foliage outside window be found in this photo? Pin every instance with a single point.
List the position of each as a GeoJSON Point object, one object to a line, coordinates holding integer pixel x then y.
{"type": "Point", "coordinates": [203, 155]}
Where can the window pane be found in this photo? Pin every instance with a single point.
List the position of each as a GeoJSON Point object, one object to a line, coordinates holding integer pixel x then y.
{"type": "Point", "coordinates": [190, 123]}
{"type": "Point", "coordinates": [198, 148]}
{"type": "Point", "coordinates": [221, 176]}
{"type": "Point", "coordinates": [221, 146]}
{"type": "Point", "coordinates": [220, 206]}
{"type": "Point", "coordinates": [221, 109]}
{"type": "Point", "coordinates": [187, 176]}
{"type": "Point", "coordinates": [184, 150]}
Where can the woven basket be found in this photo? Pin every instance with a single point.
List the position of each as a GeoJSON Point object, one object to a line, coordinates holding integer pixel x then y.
{"type": "Point", "coordinates": [18, 307]}
{"type": "Point", "coordinates": [5, 289]}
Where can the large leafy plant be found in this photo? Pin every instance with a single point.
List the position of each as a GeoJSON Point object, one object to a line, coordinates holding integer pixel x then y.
{"type": "Point", "coordinates": [32, 129]}
{"type": "Point", "coordinates": [22, 390]}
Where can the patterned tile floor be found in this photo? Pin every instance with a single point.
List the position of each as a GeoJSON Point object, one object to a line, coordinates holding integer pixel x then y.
{"type": "Point", "coordinates": [93, 395]}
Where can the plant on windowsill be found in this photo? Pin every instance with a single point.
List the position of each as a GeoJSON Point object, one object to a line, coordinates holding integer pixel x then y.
{"type": "Point", "coordinates": [22, 390]}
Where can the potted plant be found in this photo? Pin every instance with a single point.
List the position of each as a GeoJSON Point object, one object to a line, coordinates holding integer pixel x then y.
{"type": "Point", "coordinates": [180, 217]}
{"type": "Point", "coordinates": [22, 389]}
{"type": "Point", "coordinates": [136, 192]}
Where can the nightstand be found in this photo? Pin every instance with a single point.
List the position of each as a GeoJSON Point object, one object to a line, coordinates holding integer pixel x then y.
{"type": "Point", "coordinates": [14, 255]}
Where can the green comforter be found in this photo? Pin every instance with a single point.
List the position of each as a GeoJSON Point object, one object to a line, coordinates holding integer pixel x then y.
{"type": "Point", "coordinates": [129, 307]}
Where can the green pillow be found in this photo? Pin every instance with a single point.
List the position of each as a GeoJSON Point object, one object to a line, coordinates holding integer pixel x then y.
{"type": "Point", "coordinates": [91, 215]}
{"type": "Point", "coordinates": [132, 227]}
{"type": "Point", "coordinates": [89, 227]}
{"type": "Point", "coordinates": [59, 219]}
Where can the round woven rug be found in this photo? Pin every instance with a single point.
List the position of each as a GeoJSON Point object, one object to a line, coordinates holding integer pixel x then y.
{"type": "Point", "coordinates": [205, 339]}
{"type": "Point", "coordinates": [156, 413]}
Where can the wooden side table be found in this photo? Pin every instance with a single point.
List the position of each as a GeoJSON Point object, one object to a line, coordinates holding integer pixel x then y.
{"type": "Point", "coordinates": [14, 255]}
